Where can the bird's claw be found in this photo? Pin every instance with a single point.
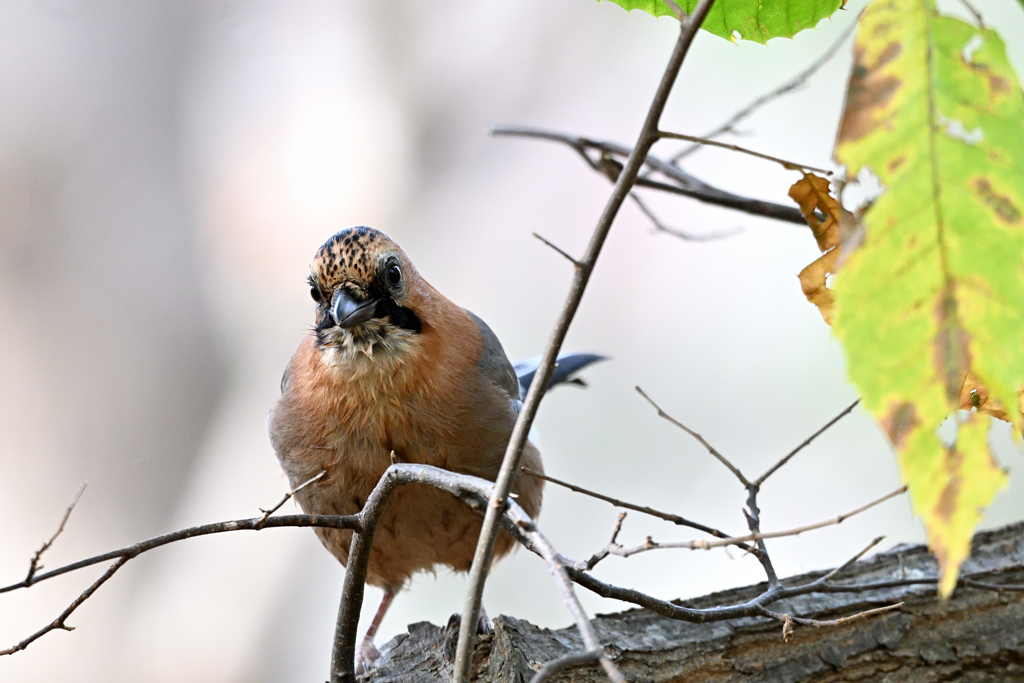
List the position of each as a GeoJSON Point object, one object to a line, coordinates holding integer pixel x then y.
{"type": "Point", "coordinates": [366, 657]}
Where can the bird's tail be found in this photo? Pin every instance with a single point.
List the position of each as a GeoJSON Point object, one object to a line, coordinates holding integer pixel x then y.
{"type": "Point", "coordinates": [568, 365]}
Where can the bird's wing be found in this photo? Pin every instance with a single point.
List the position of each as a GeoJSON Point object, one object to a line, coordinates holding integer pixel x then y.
{"type": "Point", "coordinates": [494, 364]}
{"type": "Point", "coordinates": [569, 363]}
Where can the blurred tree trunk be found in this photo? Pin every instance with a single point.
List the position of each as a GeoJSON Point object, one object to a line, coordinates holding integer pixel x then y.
{"type": "Point", "coordinates": [978, 635]}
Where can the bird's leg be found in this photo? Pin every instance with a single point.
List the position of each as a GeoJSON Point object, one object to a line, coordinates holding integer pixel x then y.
{"type": "Point", "coordinates": [367, 653]}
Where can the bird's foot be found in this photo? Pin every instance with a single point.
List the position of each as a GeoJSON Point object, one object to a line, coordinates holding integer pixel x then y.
{"type": "Point", "coordinates": [366, 657]}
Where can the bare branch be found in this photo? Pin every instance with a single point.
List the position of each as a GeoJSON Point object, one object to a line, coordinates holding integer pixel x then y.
{"type": "Point", "coordinates": [974, 13]}
{"type": "Point", "coordinates": [753, 515]}
{"type": "Point", "coordinates": [682, 182]}
{"type": "Point", "coordinates": [705, 544]}
{"type": "Point", "coordinates": [846, 565]}
{"type": "Point", "coordinates": [711, 449]}
{"type": "Point", "coordinates": [676, 10]}
{"type": "Point", "coordinates": [267, 513]}
{"type": "Point", "coordinates": [839, 519]}
{"type": "Point", "coordinates": [520, 431]}
{"type": "Point", "coordinates": [558, 250]}
{"type": "Point", "coordinates": [786, 619]}
{"type": "Point", "coordinates": [789, 86]}
{"type": "Point", "coordinates": [555, 665]}
{"type": "Point", "coordinates": [60, 622]}
{"type": "Point", "coordinates": [689, 237]}
{"type": "Point", "coordinates": [667, 516]}
{"type": "Point", "coordinates": [327, 521]}
{"type": "Point", "coordinates": [997, 587]}
{"type": "Point", "coordinates": [33, 565]}
{"type": "Point", "coordinates": [612, 545]}
{"type": "Point", "coordinates": [789, 165]}
{"type": "Point", "coordinates": [771, 470]}
{"type": "Point", "coordinates": [475, 492]}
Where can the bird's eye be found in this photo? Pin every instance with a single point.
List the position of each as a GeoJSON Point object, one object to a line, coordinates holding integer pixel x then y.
{"type": "Point", "coordinates": [315, 293]}
{"type": "Point", "coordinates": [393, 275]}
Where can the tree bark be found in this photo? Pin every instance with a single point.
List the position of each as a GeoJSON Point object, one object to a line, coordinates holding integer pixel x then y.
{"type": "Point", "coordinates": [977, 635]}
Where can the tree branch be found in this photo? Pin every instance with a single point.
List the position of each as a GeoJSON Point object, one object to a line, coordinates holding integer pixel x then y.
{"type": "Point", "coordinates": [570, 660]}
{"type": "Point", "coordinates": [704, 544]}
{"type": "Point", "coordinates": [33, 565]}
{"type": "Point", "coordinates": [788, 165]}
{"type": "Point", "coordinates": [59, 622]}
{"type": "Point", "coordinates": [686, 236]}
{"type": "Point", "coordinates": [474, 492]}
{"type": "Point", "coordinates": [786, 458]}
{"type": "Point", "coordinates": [711, 449]}
{"type": "Point", "coordinates": [513, 453]}
{"type": "Point", "coordinates": [682, 182]}
{"type": "Point", "coordinates": [789, 86]}
{"type": "Point", "coordinates": [667, 516]}
{"type": "Point", "coordinates": [286, 497]}
{"type": "Point", "coordinates": [252, 524]}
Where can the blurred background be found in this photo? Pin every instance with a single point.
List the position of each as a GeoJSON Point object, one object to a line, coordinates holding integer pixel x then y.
{"type": "Point", "coordinates": [167, 169]}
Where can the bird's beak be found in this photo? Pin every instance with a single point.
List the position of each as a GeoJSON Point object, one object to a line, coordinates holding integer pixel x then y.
{"type": "Point", "coordinates": [347, 312]}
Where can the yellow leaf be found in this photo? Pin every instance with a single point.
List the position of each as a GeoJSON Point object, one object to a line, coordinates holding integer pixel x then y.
{"type": "Point", "coordinates": [930, 307]}
{"type": "Point", "coordinates": [950, 491]}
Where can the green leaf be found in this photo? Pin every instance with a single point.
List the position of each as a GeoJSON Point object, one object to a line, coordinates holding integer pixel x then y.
{"type": "Point", "coordinates": [950, 487]}
{"type": "Point", "coordinates": [756, 20]}
{"type": "Point", "coordinates": [936, 291]}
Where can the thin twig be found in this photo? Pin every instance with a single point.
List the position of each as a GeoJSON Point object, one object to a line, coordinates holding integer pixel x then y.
{"type": "Point", "coordinates": [33, 565]}
{"type": "Point", "coordinates": [974, 13]}
{"type": "Point", "coordinates": [326, 521]}
{"type": "Point", "coordinates": [517, 524]}
{"type": "Point", "coordinates": [839, 519]}
{"type": "Point", "coordinates": [520, 431]}
{"type": "Point", "coordinates": [771, 470]}
{"type": "Point", "coordinates": [789, 86]}
{"type": "Point", "coordinates": [830, 623]}
{"type": "Point", "coordinates": [682, 182]}
{"type": "Point", "coordinates": [559, 250]}
{"type": "Point", "coordinates": [753, 515]}
{"type": "Point", "coordinates": [688, 237]}
{"type": "Point", "coordinates": [586, 629]}
{"type": "Point", "coordinates": [676, 10]}
{"type": "Point", "coordinates": [846, 565]}
{"type": "Point", "coordinates": [997, 587]}
{"type": "Point", "coordinates": [789, 165]}
{"type": "Point", "coordinates": [667, 516]}
{"type": "Point", "coordinates": [612, 545]}
{"type": "Point", "coordinates": [287, 496]}
{"type": "Point", "coordinates": [564, 662]}
{"type": "Point", "coordinates": [705, 544]}
{"type": "Point", "coordinates": [60, 622]}
{"type": "Point", "coordinates": [711, 449]}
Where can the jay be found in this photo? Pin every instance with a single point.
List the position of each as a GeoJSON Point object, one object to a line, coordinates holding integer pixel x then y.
{"type": "Point", "coordinates": [392, 366]}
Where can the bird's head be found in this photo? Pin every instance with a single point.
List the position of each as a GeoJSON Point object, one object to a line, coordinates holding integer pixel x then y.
{"type": "Point", "coordinates": [365, 289]}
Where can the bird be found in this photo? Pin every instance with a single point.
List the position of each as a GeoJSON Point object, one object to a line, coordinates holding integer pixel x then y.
{"type": "Point", "coordinates": [393, 371]}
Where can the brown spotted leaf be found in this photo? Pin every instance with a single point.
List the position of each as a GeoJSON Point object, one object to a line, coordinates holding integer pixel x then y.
{"type": "Point", "coordinates": [931, 305]}
{"type": "Point", "coordinates": [950, 488]}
